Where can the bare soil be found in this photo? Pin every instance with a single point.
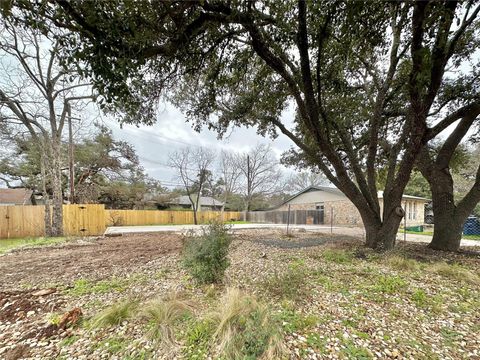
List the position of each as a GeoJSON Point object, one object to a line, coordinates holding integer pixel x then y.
{"type": "Point", "coordinates": [93, 259]}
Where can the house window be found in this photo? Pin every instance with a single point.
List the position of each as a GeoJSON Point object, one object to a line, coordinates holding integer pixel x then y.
{"type": "Point", "coordinates": [409, 210]}
{"type": "Point", "coordinates": [414, 211]}
{"type": "Point", "coordinates": [319, 206]}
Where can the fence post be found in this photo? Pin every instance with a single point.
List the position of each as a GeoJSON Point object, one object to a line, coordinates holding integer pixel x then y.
{"type": "Point", "coordinates": [288, 218]}
{"type": "Point", "coordinates": [331, 219]}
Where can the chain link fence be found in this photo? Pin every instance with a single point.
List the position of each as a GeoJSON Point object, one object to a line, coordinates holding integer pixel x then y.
{"type": "Point", "coordinates": [333, 221]}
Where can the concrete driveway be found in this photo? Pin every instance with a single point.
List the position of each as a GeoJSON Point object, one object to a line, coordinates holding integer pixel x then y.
{"type": "Point", "coordinates": [183, 228]}
{"type": "Point", "coordinates": [351, 231]}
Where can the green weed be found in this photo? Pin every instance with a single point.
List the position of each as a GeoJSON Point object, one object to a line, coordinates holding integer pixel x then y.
{"type": "Point", "coordinates": [113, 345]}
{"type": "Point", "coordinates": [293, 321]}
{"type": "Point", "coordinates": [83, 286]}
{"type": "Point", "coordinates": [352, 351]}
{"type": "Point", "coordinates": [198, 336]}
{"type": "Point", "coordinates": [290, 284]}
{"type": "Point", "coordinates": [338, 256]}
{"type": "Point", "coordinates": [390, 284]}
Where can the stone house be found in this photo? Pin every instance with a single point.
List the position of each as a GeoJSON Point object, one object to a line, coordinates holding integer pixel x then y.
{"type": "Point", "coordinates": [330, 201]}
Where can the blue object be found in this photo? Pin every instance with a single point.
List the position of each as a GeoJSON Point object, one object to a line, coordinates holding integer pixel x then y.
{"type": "Point", "coordinates": [471, 226]}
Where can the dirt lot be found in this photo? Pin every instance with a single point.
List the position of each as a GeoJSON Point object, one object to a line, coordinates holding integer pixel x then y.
{"type": "Point", "coordinates": [95, 258]}
{"type": "Point", "coordinates": [334, 299]}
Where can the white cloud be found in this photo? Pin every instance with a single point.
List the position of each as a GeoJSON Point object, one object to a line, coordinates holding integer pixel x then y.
{"type": "Point", "coordinates": [171, 132]}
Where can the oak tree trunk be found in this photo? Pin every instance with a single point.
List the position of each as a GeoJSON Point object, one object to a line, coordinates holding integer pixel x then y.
{"type": "Point", "coordinates": [382, 235]}
{"type": "Point", "coordinates": [447, 233]}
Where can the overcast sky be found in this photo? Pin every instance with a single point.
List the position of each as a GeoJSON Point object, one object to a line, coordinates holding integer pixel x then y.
{"type": "Point", "coordinates": [171, 132]}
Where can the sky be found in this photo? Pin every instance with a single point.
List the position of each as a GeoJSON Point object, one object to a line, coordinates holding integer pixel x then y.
{"type": "Point", "coordinates": [171, 132]}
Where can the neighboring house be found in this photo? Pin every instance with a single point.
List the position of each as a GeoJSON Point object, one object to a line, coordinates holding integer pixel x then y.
{"type": "Point", "coordinates": [329, 200]}
{"type": "Point", "coordinates": [16, 196]}
{"type": "Point", "coordinates": [205, 203]}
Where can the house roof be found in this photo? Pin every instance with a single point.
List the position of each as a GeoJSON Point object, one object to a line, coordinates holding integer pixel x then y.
{"type": "Point", "coordinates": [204, 201]}
{"type": "Point", "coordinates": [15, 196]}
{"type": "Point", "coordinates": [334, 190]}
{"type": "Point", "coordinates": [331, 189]}
{"type": "Point", "coordinates": [406, 197]}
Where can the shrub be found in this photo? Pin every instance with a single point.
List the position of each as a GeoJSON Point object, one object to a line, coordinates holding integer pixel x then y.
{"type": "Point", "coordinates": [244, 329]}
{"type": "Point", "coordinates": [205, 256]}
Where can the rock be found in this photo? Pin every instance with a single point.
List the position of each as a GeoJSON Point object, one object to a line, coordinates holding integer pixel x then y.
{"type": "Point", "coordinates": [44, 292]}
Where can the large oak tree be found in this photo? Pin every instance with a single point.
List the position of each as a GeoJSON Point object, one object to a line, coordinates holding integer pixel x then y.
{"type": "Point", "coordinates": [364, 76]}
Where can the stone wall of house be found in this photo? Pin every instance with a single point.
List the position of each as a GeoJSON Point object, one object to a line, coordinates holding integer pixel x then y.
{"type": "Point", "coordinates": [343, 212]}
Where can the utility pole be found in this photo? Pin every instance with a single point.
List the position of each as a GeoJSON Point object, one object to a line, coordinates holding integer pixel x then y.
{"type": "Point", "coordinates": [70, 155]}
{"type": "Point", "coordinates": [247, 207]}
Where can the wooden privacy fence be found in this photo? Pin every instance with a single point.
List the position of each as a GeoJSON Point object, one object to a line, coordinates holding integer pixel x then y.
{"type": "Point", "coordinates": [164, 217]}
{"type": "Point", "coordinates": [92, 219]}
{"type": "Point", "coordinates": [29, 220]}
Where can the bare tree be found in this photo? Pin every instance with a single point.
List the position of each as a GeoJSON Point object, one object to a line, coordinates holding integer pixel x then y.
{"type": "Point", "coordinates": [37, 95]}
{"type": "Point", "coordinates": [231, 174]}
{"type": "Point", "coordinates": [193, 169]}
{"type": "Point", "coordinates": [261, 174]}
{"type": "Point", "coordinates": [304, 179]}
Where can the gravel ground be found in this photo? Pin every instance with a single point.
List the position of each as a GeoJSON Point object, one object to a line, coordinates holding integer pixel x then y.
{"type": "Point", "coordinates": [349, 303]}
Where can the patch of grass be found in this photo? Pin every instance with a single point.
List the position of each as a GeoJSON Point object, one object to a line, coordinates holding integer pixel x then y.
{"type": "Point", "coordinates": [244, 329]}
{"type": "Point", "coordinates": [352, 351]}
{"type": "Point", "coordinates": [83, 286]}
{"type": "Point", "coordinates": [163, 314]}
{"type": "Point", "coordinates": [455, 272]}
{"type": "Point", "coordinates": [390, 284]}
{"type": "Point", "coordinates": [69, 340]}
{"type": "Point", "coordinates": [294, 321]}
{"type": "Point", "coordinates": [114, 315]}
{"type": "Point", "coordinates": [401, 263]}
{"type": "Point", "coordinates": [316, 342]}
{"type": "Point", "coordinates": [450, 336]}
{"type": "Point", "coordinates": [139, 355]}
{"type": "Point", "coordinates": [113, 345]}
{"type": "Point", "coordinates": [290, 284]}
{"type": "Point", "coordinates": [420, 298]}
{"type": "Point", "coordinates": [10, 244]}
{"type": "Point", "coordinates": [338, 256]}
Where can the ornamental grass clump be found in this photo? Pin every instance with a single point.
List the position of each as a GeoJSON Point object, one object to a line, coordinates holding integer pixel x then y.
{"type": "Point", "coordinates": [205, 256]}
{"type": "Point", "coordinates": [245, 329]}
